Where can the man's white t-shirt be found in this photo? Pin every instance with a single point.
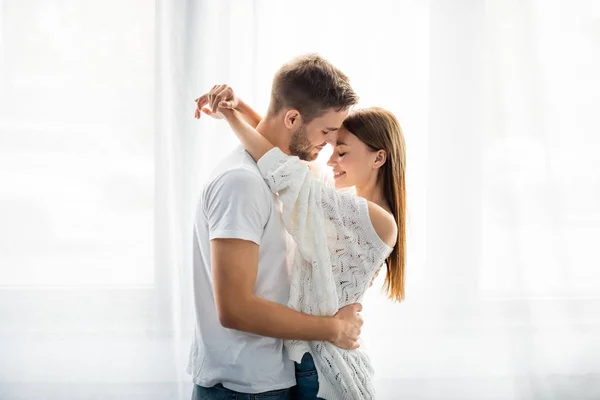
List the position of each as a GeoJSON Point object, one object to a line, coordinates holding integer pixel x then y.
{"type": "Point", "coordinates": [236, 203]}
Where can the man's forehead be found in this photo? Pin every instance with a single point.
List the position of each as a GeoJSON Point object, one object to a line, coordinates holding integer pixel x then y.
{"type": "Point", "coordinates": [332, 120]}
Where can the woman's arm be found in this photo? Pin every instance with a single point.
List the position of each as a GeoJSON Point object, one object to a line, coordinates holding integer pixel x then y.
{"type": "Point", "coordinates": [249, 115]}
{"type": "Point", "coordinates": [254, 143]}
{"type": "Point", "coordinates": [301, 193]}
{"type": "Point", "coordinates": [304, 198]}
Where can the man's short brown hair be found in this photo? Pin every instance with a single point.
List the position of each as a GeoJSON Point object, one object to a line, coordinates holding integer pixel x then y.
{"type": "Point", "coordinates": [311, 85]}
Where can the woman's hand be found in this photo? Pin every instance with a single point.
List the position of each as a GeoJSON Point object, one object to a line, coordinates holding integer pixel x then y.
{"type": "Point", "coordinates": [211, 103]}
{"type": "Point", "coordinates": [223, 97]}
{"type": "Point", "coordinates": [221, 102]}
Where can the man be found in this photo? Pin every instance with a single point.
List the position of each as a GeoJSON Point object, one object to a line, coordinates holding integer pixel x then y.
{"type": "Point", "coordinates": [240, 280]}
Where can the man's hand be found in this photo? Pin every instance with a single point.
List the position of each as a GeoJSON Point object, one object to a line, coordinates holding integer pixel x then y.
{"type": "Point", "coordinates": [220, 96]}
{"type": "Point", "coordinates": [349, 323]}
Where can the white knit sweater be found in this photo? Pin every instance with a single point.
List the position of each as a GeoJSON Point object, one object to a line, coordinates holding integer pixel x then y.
{"type": "Point", "coordinates": [337, 255]}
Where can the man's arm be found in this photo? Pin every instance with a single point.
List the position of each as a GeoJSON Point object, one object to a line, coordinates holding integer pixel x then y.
{"type": "Point", "coordinates": [237, 208]}
{"type": "Point", "coordinates": [234, 269]}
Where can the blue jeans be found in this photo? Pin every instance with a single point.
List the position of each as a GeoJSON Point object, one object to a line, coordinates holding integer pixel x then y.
{"type": "Point", "coordinates": [218, 392]}
{"type": "Point", "coordinates": [307, 379]}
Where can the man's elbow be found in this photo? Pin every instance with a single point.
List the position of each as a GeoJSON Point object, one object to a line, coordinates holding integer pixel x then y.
{"type": "Point", "coordinates": [229, 320]}
{"type": "Point", "coordinates": [231, 316]}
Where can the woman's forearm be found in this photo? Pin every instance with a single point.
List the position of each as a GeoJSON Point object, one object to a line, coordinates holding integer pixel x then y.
{"type": "Point", "coordinates": [254, 143]}
{"type": "Point", "coordinates": [249, 115]}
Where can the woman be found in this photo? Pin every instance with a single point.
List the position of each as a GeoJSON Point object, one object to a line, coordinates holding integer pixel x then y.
{"type": "Point", "coordinates": [342, 239]}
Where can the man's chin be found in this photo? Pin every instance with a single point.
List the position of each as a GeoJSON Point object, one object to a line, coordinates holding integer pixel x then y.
{"type": "Point", "coordinates": [308, 156]}
{"type": "Point", "coordinates": [312, 156]}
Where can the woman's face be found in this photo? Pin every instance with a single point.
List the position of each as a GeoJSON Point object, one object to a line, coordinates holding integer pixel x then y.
{"type": "Point", "coordinates": [352, 161]}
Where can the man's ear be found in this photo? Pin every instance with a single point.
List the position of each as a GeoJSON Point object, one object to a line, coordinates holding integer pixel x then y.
{"type": "Point", "coordinates": [292, 119]}
{"type": "Point", "coordinates": [380, 159]}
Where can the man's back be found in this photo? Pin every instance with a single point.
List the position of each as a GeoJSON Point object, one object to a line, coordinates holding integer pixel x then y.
{"type": "Point", "coordinates": [237, 204]}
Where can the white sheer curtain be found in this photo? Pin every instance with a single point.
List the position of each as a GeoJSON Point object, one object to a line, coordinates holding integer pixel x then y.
{"type": "Point", "coordinates": [101, 161]}
{"type": "Point", "coordinates": [94, 239]}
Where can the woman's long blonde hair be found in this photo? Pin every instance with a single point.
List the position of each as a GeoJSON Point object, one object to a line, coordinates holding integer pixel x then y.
{"type": "Point", "coordinates": [379, 130]}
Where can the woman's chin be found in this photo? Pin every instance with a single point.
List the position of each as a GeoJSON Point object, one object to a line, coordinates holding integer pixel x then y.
{"type": "Point", "coordinates": [339, 184]}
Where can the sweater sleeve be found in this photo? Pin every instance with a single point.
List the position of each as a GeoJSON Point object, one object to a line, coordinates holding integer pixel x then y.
{"type": "Point", "coordinates": [308, 203]}
{"type": "Point", "coordinates": [300, 196]}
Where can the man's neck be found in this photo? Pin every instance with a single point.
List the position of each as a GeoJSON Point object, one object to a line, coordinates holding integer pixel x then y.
{"type": "Point", "coordinates": [273, 133]}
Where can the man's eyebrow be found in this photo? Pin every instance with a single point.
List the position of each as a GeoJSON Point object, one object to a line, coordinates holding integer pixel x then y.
{"type": "Point", "coordinates": [332, 129]}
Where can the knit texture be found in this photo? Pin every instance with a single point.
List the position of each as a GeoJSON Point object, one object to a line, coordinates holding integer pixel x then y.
{"type": "Point", "coordinates": [337, 254]}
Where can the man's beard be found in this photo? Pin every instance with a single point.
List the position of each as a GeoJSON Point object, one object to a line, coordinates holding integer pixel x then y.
{"type": "Point", "coordinates": [300, 146]}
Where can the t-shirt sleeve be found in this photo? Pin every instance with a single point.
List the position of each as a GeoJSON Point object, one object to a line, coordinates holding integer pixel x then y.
{"type": "Point", "coordinates": [236, 206]}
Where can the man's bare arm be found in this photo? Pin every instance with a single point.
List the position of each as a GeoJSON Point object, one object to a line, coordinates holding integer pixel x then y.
{"type": "Point", "coordinates": [234, 269]}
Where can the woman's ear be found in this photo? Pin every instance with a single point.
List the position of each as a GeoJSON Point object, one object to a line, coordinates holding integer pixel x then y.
{"type": "Point", "coordinates": [292, 119]}
{"type": "Point", "coordinates": [380, 159]}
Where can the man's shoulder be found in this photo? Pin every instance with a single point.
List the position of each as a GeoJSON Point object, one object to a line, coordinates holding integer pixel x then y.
{"type": "Point", "coordinates": [237, 174]}
{"type": "Point", "coordinates": [235, 161]}
{"type": "Point", "coordinates": [239, 177]}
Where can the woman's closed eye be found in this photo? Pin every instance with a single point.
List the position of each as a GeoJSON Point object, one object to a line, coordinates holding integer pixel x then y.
{"type": "Point", "coordinates": [341, 154]}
